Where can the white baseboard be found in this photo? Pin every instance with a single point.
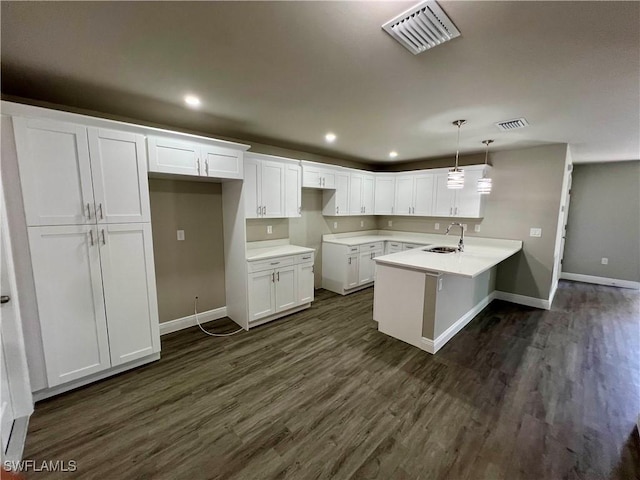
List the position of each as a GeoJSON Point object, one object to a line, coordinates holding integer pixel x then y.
{"type": "Point", "coordinates": [186, 322]}
{"type": "Point", "coordinates": [432, 346]}
{"type": "Point", "coordinates": [611, 282]}
{"type": "Point", "coordinates": [523, 300]}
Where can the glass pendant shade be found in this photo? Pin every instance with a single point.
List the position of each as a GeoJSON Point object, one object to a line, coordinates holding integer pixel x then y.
{"type": "Point", "coordinates": [484, 186]}
{"type": "Point", "coordinates": [455, 178]}
{"type": "Point", "coordinates": [485, 183]}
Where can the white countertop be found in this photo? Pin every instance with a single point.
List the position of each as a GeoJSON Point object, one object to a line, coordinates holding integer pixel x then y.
{"type": "Point", "coordinates": [480, 254]}
{"type": "Point", "coordinates": [272, 249]}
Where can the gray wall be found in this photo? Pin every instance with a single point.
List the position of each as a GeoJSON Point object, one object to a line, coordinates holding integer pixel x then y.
{"type": "Point", "coordinates": [194, 266]}
{"type": "Point", "coordinates": [527, 188]}
{"type": "Point", "coordinates": [604, 221]}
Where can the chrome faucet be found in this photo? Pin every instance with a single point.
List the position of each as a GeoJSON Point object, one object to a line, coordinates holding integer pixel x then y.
{"type": "Point", "coordinates": [461, 242]}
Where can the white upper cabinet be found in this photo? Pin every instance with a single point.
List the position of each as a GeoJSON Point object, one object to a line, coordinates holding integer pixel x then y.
{"type": "Point", "coordinates": [361, 192]}
{"type": "Point", "coordinates": [183, 157]}
{"type": "Point", "coordinates": [55, 172]}
{"type": "Point", "coordinates": [465, 202]}
{"type": "Point", "coordinates": [264, 188]}
{"type": "Point", "coordinates": [119, 171]}
{"type": "Point", "coordinates": [73, 175]}
{"type": "Point", "coordinates": [315, 175]}
{"type": "Point", "coordinates": [384, 195]}
{"type": "Point", "coordinates": [293, 190]}
{"type": "Point", "coordinates": [272, 187]}
{"type": "Point", "coordinates": [336, 201]}
{"type": "Point", "coordinates": [423, 194]}
{"type": "Point", "coordinates": [404, 195]}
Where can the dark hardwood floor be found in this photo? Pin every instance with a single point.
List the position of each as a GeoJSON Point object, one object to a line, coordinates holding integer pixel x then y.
{"type": "Point", "coordinates": [519, 393]}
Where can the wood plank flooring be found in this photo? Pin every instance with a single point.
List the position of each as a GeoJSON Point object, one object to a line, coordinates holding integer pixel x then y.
{"type": "Point", "coordinates": [520, 393]}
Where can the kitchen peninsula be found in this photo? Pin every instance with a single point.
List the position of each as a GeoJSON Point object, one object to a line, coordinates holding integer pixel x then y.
{"type": "Point", "coordinates": [425, 298]}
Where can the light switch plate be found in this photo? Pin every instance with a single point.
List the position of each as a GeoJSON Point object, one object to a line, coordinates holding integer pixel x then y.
{"type": "Point", "coordinates": [476, 227]}
{"type": "Point", "coordinates": [437, 226]}
{"type": "Point", "coordinates": [335, 224]}
{"type": "Point", "coordinates": [269, 229]}
{"type": "Point", "coordinates": [180, 235]}
{"type": "Point", "coordinates": [604, 261]}
{"type": "Point", "coordinates": [362, 223]}
{"type": "Point", "coordinates": [390, 223]}
{"type": "Point", "coordinates": [535, 232]}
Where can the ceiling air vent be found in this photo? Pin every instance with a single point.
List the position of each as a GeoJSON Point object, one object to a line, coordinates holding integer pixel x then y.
{"type": "Point", "coordinates": [509, 125]}
{"type": "Point", "coordinates": [422, 27]}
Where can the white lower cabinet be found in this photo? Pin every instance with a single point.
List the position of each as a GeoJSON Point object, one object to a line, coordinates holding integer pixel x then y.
{"type": "Point", "coordinates": [95, 289]}
{"type": "Point", "coordinates": [278, 285]}
{"type": "Point", "coordinates": [348, 268]}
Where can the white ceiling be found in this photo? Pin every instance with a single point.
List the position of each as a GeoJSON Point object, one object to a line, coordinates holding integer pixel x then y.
{"type": "Point", "coordinates": [285, 73]}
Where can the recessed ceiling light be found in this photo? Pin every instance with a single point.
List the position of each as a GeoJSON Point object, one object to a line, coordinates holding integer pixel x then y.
{"type": "Point", "coordinates": [192, 101]}
{"type": "Point", "coordinates": [330, 137]}
{"type": "Point", "coordinates": [393, 154]}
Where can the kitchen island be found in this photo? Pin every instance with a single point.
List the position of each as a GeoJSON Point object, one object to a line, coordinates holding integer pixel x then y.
{"type": "Point", "coordinates": [425, 298]}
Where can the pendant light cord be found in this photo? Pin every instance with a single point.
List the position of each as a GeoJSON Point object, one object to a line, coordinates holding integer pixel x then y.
{"type": "Point", "coordinates": [458, 145]}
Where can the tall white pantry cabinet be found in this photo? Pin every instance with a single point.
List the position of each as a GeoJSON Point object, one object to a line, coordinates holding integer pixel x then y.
{"type": "Point", "coordinates": [87, 212]}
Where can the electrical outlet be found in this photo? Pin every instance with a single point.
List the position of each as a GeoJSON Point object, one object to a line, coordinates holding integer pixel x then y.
{"type": "Point", "coordinates": [604, 261]}
{"type": "Point", "coordinates": [335, 224]}
{"type": "Point", "coordinates": [476, 227]}
{"type": "Point", "coordinates": [535, 232]}
{"type": "Point", "coordinates": [180, 235]}
{"type": "Point", "coordinates": [437, 226]}
{"type": "Point", "coordinates": [269, 229]}
{"type": "Point", "coordinates": [464, 227]}
{"type": "Point", "coordinates": [440, 284]}
{"type": "Point", "coordinates": [390, 223]}
{"type": "Point", "coordinates": [362, 223]}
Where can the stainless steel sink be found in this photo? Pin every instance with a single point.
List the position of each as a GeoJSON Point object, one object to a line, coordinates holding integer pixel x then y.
{"type": "Point", "coordinates": [441, 249]}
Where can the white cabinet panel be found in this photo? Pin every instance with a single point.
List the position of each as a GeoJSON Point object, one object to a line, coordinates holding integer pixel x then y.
{"type": "Point", "coordinates": [316, 176]}
{"type": "Point", "coordinates": [444, 197]}
{"type": "Point", "coordinates": [220, 162]}
{"type": "Point", "coordinates": [173, 156]}
{"type": "Point", "coordinates": [385, 189]}
{"type": "Point", "coordinates": [366, 267]}
{"type": "Point", "coordinates": [423, 195]}
{"type": "Point", "coordinates": [305, 283]}
{"type": "Point", "coordinates": [342, 193]}
{"type": "Point", "coordinates": [55, 172]}
{"type": "Point", "coordinates": [404, 195]}
{"type": "Point", "coordinates": [352, 279]}
{"type": "Point", "coordinates": [355, 194]}
{"type": "Point", "coordinates": [272, 189]}
{"type": "Point", "coordinates": [368, 190]}
{"type": "Point", "coordinates": [293, 191]}
{"type": "Point", "coordinates": [286, 288]}
{"type": "Point", "coordinates": [261, 294]}
{"type": "Point", "coordinates": [468, 201]}
{"type": "Point", "coordinates": [119, 171]}
{"type": "Point", "coordinates": [251, 189]}
{"type": "Point", "coordinates": [126, 254]}
{"type": "Point", "coordinates": [66, 265]}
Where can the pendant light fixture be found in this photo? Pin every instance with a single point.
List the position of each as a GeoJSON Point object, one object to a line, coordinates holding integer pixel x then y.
{"type": "Point", "coordinates": [455, 178]}
{"type": "Point", "coordinates": [484, 183]}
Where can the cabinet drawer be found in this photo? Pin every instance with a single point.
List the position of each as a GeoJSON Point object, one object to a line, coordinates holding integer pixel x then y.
{"type": "Point", "coordinates": [272, 263]}
{"type": "Point", "coordinates": [305, 258]}
{"type": "Point", "coordinates": [394, 244]}
{"type": "Point", "coordinates": [410, 246]}
{"type": "Point", "coordinates": [372, 246]}
{"type": "Point", "coordinates": [354, 249]}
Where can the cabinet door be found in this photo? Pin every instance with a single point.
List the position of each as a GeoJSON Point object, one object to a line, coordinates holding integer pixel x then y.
{"type": "Point", "coordinates": [305, 283]}
{"type": "Point", "coordinates": [68, 281]}
{"type": "Point", "coordinates": [352, 271]}
{"type": "Point", "coordinates": [366, 267]}
{"type": "Point", "coordinates": [376, 253]}
{"type": "Point", "coordinates": [423, 195]}
{"type": "Point", "coordinates": [119, 171]}
{"type": "Point", "coordinates": [443, 197]}
{"type": "Point", "coordinates": [251, 188]}
{"type": "Point", "coordinates": [261, 294]}
{"type": "Point", "coordinates": [286, 288]}
{"type": "Point", "coordinates": [173, 156]}
{"type": "Point", "coordinates": [219, 162]}
{"type": "Point", "coordinates": [293, 191]}
{"type": "Point", "coordinates": [342, 193]}
{"type": "Point", "coordinates": [311, 177]}
{"type": "Point", "coordinates": [404, 195]}
{"type": "Point", "coordinates": [468, 201]}
{"type": "Point", "coordinates": [385, 189]}
{"type": "Point", "coordinates": [329, 179]}
{"type": "Point", "coordinates": [355, 194]}
{"type": "Point", "coordinates": [272, 189]}
{"type": "Point", "coordinates": [368, 189]}
{"type": "Point", "coordinates": [55, 172]}
{"type": "Point", "coordinates": [126, 256]}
